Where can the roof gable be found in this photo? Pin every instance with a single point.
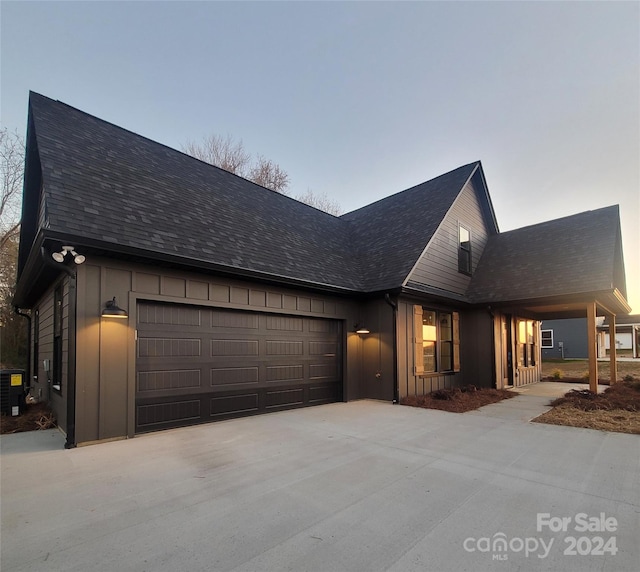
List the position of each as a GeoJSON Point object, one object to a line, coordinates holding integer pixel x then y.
{"type": "Point", "coordinates": [391, 234]}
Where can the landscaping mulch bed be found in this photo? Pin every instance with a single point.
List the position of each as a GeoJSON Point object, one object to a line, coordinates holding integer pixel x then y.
{"type": "Point", "coordinates": [616, 409]}
{"type": "Point", "coordinates": [36, 416]}
{"type": "Point", "coordinates": [458, 400]}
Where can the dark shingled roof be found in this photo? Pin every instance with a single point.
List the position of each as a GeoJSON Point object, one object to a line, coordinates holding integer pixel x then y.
{"type": "Point", "coordinates": [571, 255]}
{"type": "Point", "coordinates": [109, 185]}
{"type": "Point", "coordinates": [392, 233]}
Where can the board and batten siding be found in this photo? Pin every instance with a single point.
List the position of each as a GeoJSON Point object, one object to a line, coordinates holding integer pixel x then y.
{"type": "Point", "coordinates": [438, 265]}
{"type": "Point", "coordinates": [41, 387]}
{"type": "Point", "coordinates": [106, 349]}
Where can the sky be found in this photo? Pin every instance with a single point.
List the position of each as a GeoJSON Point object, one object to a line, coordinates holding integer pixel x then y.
{"type": "Point", "coordinates": [360, 100]}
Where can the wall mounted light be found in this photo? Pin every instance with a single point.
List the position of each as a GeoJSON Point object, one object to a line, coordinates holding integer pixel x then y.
{"type": "Point", "coordinates": [112, 310]}
{"type": "Point", "coordinates": [60, 256]}
{"type": "Point", "coordinates": [361, 329]}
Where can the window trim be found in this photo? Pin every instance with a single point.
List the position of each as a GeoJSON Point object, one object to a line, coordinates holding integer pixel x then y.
{"type": "Point", "coordinates": [465, 261]}
{"type": "Point", "coordinates": [454, 342]}
{"type": "Point", "coordinates": [542, 340]}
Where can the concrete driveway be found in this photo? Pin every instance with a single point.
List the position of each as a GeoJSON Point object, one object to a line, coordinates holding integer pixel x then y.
{"type": "Point", "coordinates": [350, 486]}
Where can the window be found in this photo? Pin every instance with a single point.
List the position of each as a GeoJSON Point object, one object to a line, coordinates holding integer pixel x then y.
{"type": "Point", "coordinates": [464, 250]}
{"type": "Point", "coordinates": [36, 342]}
{"type": "Point", "coordinates": [527, 350]}
{"type": "Point", "coordinates": [57, 339]}
{"type": "Point", "coordinates": [437, 342]}
{"type": "Point", "coordinates": [547, 338]}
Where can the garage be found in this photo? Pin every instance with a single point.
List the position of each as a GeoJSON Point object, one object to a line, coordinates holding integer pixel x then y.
{"type": "Point", "coordinates": [196, 364]}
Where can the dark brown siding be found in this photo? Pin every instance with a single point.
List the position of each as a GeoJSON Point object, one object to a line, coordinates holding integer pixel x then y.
{"type": "Point", "coordinates": [377, 346]}
{"type": "Point", "coordinates": [438, 266]}
{"type": "Point", "coordinates": [41, 386]}
{"type": "Point", "coordinates": [197, 364]}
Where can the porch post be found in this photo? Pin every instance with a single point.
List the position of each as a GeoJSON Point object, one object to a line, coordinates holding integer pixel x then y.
{"type": "Point", "coordinates": [613, 363]}
{"type": "Point", "coordinates": [591, 341]}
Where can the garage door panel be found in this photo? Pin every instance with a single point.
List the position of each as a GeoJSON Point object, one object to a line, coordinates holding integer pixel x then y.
{"type": "Point", "coordinates": [178, 379]}
{"type": "Point", "coordinates": [221, 376]}
{"type": "Point", "coordinates": [234, 404]}
{"type": "Point", "coordinates": [169, 315]}
{"type": "Point", "coordinates": [207, 364]}
{"type": "Point", "coordinates": [159, 415]}
{"type": "Point", "coordinates": [225, 319]}
{"type": "Point", "coordinates": [234, 348]}
{"type": "Point", "coordinates": [288, 372]}
{"type": "Point", "coordinates": [284, 398]}
{"type": "Point", "coordinates": [169, 347]}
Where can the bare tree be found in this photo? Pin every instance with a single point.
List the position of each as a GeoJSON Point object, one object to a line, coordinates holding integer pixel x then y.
{"type": "Point", "coordinates": [230, 154]}
{"type": "Point", "coordinates": [12, 165]}
{"type": "Point", "coordinates": [13, 335]}
{"type": "Point", "coordinates": [321, 202]}
{"type": "Point", "coordinates": [223, 152]}
{"type": "Point", "coordinates": [269, 174]}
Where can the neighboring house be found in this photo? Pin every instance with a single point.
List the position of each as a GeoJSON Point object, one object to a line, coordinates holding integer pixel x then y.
{"type": "Point", "coordinates": [567, 339]}
{"type": "Point", "coordinates": [627, 337]}
{"type": "Point", "coordinates": [237, 300]}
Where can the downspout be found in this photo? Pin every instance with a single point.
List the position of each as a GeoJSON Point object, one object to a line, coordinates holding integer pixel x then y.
{"type": "Point", "coordinates": [71, 359]}
{"type": "Point", "coordinates": [394, 305]}
{"type": "Point", "coordinates": [28, 368]}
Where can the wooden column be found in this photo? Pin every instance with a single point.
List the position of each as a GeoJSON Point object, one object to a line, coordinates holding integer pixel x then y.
{"type": "Point", "coordinates": [613, 363]}
{"type": "Point", "coordinates": [591, 341]}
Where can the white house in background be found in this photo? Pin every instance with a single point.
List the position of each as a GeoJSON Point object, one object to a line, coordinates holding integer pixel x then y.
{"type": "Point", "coordinates": [627, 336]}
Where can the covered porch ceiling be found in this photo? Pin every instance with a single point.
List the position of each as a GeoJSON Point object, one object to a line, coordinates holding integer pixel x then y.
{"type": "Point", "coordinates": [607, 303]}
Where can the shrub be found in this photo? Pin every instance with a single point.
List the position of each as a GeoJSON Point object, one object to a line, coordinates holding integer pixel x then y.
{"type": "Point", "coordinates": [557, 374]}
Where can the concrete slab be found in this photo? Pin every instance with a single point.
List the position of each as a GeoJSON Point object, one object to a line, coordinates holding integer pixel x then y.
{"type": "Point", "coordinates": [358, 486]}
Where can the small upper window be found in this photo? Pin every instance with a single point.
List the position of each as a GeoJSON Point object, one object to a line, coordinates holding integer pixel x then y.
{"type": "Point", "coordinates": [464, 250]}
{"type": "Point", "coordinates": [547, 338]}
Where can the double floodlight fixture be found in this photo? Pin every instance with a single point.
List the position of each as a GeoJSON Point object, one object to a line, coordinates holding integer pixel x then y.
{"type": "Point", "coordinates": [60, 256]}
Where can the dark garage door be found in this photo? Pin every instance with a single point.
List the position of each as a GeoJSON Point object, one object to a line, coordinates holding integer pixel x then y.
{"type": "Point", "coordinates": [197, 364]}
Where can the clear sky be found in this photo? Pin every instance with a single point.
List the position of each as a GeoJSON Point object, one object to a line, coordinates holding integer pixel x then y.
{"type": "Point", "coordinates": [364, 99]}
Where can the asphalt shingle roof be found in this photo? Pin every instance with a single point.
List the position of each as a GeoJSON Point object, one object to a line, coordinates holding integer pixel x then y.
{"type": "Point", "coordinates": [570, 255]}
{"type": "Point", "coordinates": [107, 184]}
{"type": "Point", "coordinates": [111, 185]}
{"type": "Point", "coordinates": [392, 233]}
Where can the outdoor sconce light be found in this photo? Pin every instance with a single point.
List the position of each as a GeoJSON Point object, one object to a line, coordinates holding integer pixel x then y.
{"type": "Point", "coordinates": [112, 310]}
{"type": "Point", "coordinates": [362, 329]}
{"type": "Point", "coordinates": [60, 256]}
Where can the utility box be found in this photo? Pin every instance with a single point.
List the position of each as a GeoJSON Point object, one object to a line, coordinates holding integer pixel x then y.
{"type": "Point", "coordinates": [12, 398]}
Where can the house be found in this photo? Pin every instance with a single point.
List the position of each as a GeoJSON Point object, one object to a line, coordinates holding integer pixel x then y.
{"type": "Point", "coordinates": [163, 291]}
{"type": "Point", "coordinates": [567, 339]}
{"type": "Point", "coordinates": [627, 337]}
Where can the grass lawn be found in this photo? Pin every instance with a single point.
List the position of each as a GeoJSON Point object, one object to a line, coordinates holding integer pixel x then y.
{"type": "Point", "coordinates": [579, 369]}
